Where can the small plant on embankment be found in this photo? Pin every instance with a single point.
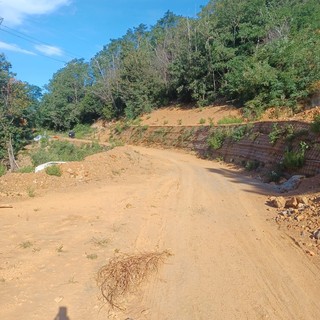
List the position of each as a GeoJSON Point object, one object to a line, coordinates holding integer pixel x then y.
{"type": "Point", "coordinates": [295, 159]}
{"type": "Point", "coordinates": [216, 139]}
{"type": "Point", "coordinates": [315, 126]}
{"type": "Point", "coordinates": [230, 120]}
{"type": "Point", "coordinates": [53, 171]}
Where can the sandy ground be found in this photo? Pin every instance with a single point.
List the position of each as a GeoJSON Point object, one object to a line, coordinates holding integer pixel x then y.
{"type": "Point", "coordinates": [229, 261]}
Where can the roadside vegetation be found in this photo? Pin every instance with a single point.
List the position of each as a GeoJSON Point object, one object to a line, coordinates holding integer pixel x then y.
{"type": "Point", "coordinates": [63, 151]}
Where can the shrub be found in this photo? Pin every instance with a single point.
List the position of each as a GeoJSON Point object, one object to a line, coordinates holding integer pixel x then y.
{"type": "Point", "coordinates": [215, 141]}
{"type": "Point", "coordinates": [202, 121]}
{"type": "Point", "coordinates": [54, 171]}
{"type": "Point", "coordinates": [275, 133]}
{"type": "Point", "coordinates": [238, 133]}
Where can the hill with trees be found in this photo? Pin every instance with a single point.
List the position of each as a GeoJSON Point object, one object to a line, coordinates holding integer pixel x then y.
{"type": "Point", "coordinates": [256, 53]}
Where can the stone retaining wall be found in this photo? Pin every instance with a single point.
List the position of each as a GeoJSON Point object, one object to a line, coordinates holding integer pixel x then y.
{"type": "Point", "coordinates": [254, 146]}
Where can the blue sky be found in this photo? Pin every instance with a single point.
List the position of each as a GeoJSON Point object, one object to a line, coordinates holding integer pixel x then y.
{"type": "Point", "coordinates": [60, 30]}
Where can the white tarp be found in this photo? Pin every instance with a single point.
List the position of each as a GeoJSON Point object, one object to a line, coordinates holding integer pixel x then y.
{"type": "Point", "coordinates": [47, 164]}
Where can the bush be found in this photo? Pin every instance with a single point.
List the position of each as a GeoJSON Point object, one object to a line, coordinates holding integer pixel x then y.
{"type": "Point", "coordinates": [275, 134]}
{"type": "Point", "coordinates": [215, 141]}
{"type": "Point", "coordinates": [238, 133]}
{"type": "Point", "coordinates": [53, 171]}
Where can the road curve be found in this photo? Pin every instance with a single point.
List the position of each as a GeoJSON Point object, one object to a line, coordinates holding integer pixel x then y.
{"type": "Point", "coordinates": [228, 261]}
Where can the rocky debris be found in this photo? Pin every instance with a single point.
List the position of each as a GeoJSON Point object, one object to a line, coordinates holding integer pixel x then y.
{"type": "Point", "coordinates": [300, 217]}
{"type": "Point", "coordinates": [292, 202]}
{"type": "Point", "coordinates": [291, 184]}
{"type": "Point", "coordinates": [277, 202]}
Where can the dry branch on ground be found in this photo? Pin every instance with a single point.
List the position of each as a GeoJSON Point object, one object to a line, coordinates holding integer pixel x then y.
{"type": "Point", "coordinates": [124, 274]}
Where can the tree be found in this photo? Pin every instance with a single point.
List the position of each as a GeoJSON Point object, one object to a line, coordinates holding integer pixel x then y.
{"type": "Point", "coordinates": [61, 106]}
{"type": "Point", "coordinates": [14, 101]}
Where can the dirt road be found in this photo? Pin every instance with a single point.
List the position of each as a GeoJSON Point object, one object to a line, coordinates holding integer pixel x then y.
{"type": "Point", "coordinates": [228, 262]}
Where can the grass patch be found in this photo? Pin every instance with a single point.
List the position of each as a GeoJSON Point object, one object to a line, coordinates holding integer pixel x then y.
{"type": "Point", "coordinates": [202, 121]}
{"type": "Point", "coordinates": [125, 273]}
{"type": "Point", "coordinates": [83, 131]}
{"type": "Point", "coordinates": [54, 171]}
{"type": "Point", "coordinates": [26, 169]}
{"type": "Point", "coordinates": [230, 120]}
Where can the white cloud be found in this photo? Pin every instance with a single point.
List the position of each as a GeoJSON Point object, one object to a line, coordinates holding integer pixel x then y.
{"type": "Point", "coordinates": [14, 11]}
{"type": "Point", "coordinates": [14, 47]}
{"type": "Point", "coordinates": [49, 50]}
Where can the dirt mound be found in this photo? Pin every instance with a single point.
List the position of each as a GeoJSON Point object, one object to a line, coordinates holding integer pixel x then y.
{"type": "Point", "coordinates": [105, 166]}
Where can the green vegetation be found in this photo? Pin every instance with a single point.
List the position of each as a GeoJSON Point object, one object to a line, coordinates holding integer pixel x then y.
{"type": "Point", "coordinates": [83, 131]}
{"type": "Point", "coordinates": [315, 126]}
{"type": "Point", "coordinates": [256, 53]}
{"type": "Point", "coordinates": [202, 121]}
{"type": "Point", "coordinates": [295, 159]}
{"type": "Point", "coordinates": [215, 141]}
{"type": "Point", "coordinates": [54, 171]}
{"type": "Point", "coordinates": [27, 169]}
{"type": "Point", "coordinates": [63, 151]}
{"type": "Point", "coordinates": [230, 120]}
{"type": "Point", "coordinates": [3, 169]}
{"type": "Point", "coordinates": [275, 134]}
{"type": "Point", "coordinates": [252, 165]}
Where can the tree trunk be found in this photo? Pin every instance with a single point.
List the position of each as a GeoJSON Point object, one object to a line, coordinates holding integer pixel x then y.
{"type": "Point", "coordinates": [12, 161]}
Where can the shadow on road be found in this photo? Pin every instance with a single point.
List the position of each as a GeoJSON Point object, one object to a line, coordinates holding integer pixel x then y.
{"type": "Point", "coordinates": [258, 186]}
{"type": "Point", "coordinates": [62, 314]}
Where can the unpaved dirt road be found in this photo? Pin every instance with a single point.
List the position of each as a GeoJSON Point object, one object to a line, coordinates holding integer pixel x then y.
{"type": "Point", "coordinates": [228, 262]}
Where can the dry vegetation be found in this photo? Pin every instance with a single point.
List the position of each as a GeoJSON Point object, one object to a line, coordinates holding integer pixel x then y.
{"type": "Point", "coordinates": [124, 274]}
